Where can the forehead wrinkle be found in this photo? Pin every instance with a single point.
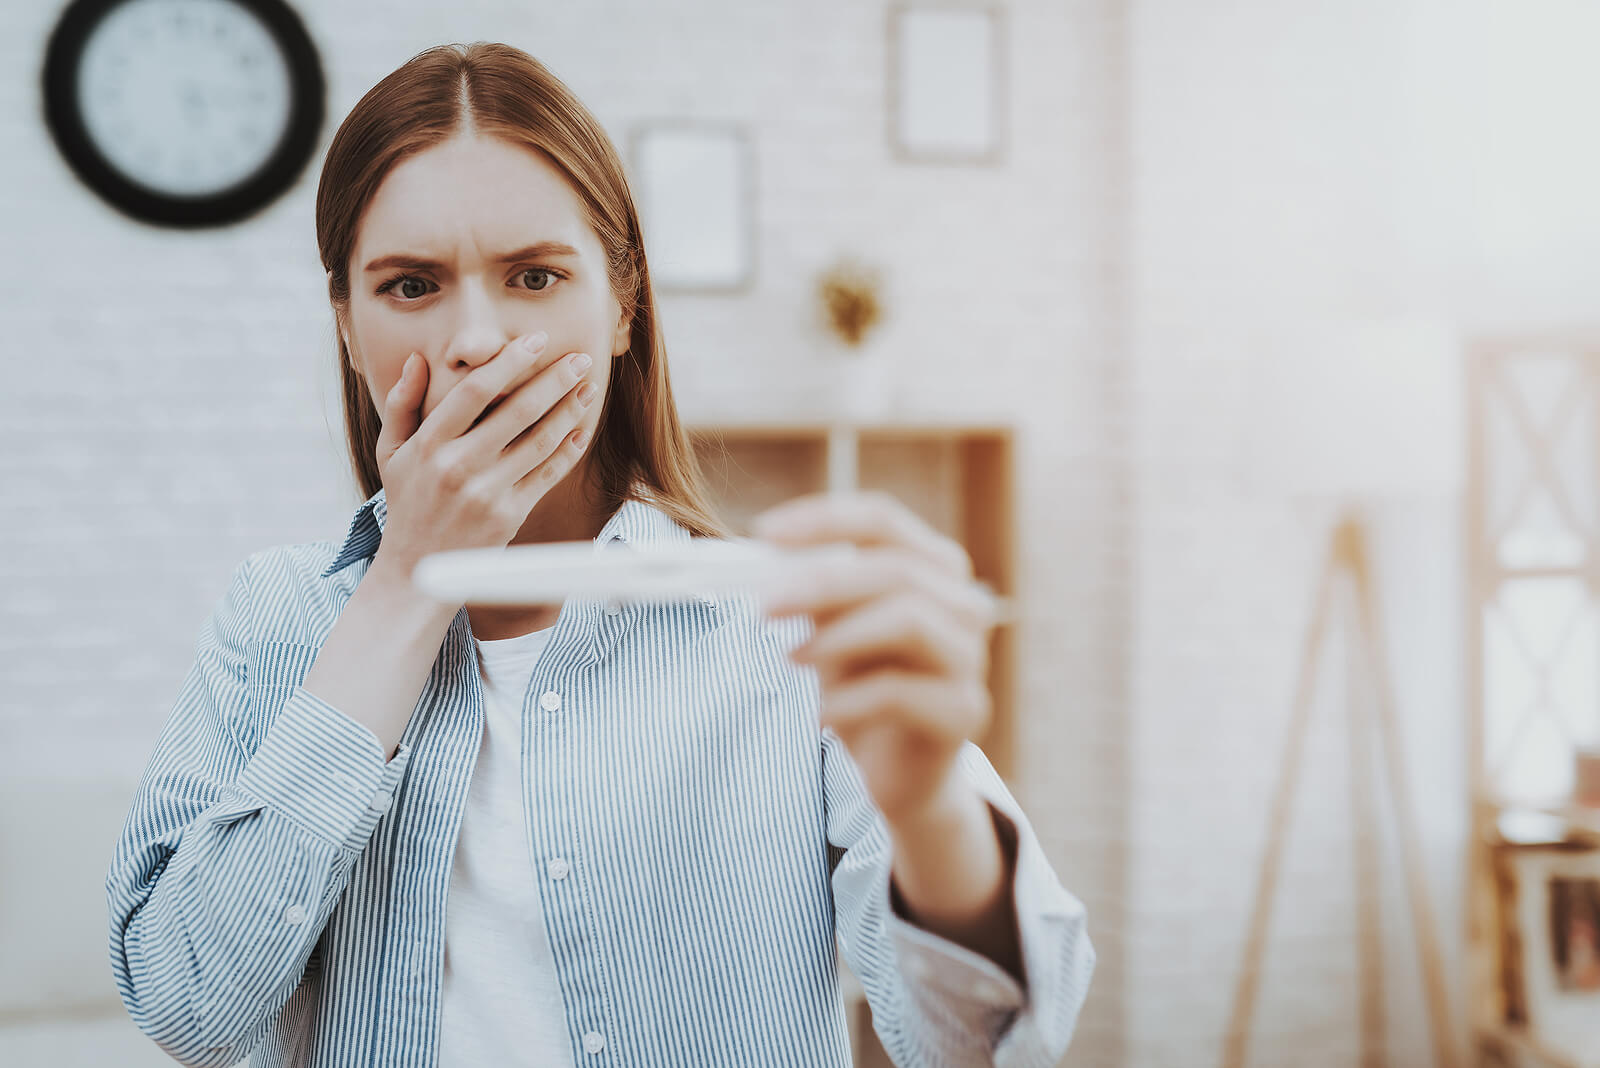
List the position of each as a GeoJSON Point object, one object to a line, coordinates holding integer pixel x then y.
{"type": "Point", "coordinates": [423, 253]}
{"type": "Point", "coordinates": [451, 225]}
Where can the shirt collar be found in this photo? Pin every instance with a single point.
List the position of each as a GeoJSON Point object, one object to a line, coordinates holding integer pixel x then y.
{"type": "Point", "coordinates": [640, 522]}
{"type": "Point", "coordinates": [365, 531]}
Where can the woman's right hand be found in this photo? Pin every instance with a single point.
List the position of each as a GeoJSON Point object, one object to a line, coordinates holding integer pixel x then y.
{"type": "Point", "coordinates": [454, 483]}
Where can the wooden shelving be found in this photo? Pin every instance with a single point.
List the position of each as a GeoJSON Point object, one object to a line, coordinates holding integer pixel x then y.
{"type": "Point", "coordinates": [1534, 425]}
{"type": "Point", "coordinates": [958, 478]}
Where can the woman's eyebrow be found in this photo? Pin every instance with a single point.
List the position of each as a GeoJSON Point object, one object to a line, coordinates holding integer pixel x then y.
{"type": "Point", "coordinates": [418, 261]}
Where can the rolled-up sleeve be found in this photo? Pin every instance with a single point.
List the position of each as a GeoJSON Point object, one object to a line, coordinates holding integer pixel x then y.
{"type": "Point", "coordinates": [231, 860]}
{"type": "Point", "coordinates": [934, 1002]}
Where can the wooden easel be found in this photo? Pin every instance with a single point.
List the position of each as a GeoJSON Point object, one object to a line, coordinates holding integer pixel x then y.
{"type": "Point", "coordinates": [1347, 556]}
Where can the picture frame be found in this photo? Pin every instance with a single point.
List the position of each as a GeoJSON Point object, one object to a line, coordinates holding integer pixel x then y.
{"type": "Point", "coordinates": [695, 190]}
{"type": "Point", "coordinates": [946, 84]}
{"type": "Point", "coordinates": [1550, 943]}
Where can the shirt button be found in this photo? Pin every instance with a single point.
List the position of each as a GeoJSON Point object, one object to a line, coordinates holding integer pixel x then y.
{"type": "Point", "coordinates": [594, 1042]}
{"type": "Point", "coordinates": [294, 915]}
{"type": "Point", "coordinates": [551, 701]}
{"type": "Point", "coordinates": [613, 608]}
{"type": "Point", "coordinates": [559, 868]}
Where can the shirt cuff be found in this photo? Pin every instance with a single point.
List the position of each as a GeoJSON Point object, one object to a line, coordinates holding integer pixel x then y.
{"type": "Point", "coordinates": [1057, 957]}
{"type": "Point", "coordinates": [324, 771]}
{"type": "Point", "coordinates": [951, 982]}
{"type": "Point", "coordinates": [973, 1004]}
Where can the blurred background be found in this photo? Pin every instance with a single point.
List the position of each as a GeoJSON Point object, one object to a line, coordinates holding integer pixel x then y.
{"type": "Point", "coordinates": [1250, 346]}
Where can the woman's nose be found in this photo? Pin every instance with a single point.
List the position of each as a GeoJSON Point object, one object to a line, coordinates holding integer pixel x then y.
{"type": "Point", "coordinates": [469, 349]}
{"type": "Point", "coordinates": [478, 332]}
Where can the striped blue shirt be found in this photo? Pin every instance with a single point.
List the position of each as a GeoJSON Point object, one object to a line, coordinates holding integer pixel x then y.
{"type": "Point", "coordinates": [278, 889]}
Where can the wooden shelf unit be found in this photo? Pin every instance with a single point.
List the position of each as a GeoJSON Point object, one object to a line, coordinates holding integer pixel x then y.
{"type": "Point", "coordinates": [1533, 420]}
{"type": "Point", "coordinates": [958, 478]}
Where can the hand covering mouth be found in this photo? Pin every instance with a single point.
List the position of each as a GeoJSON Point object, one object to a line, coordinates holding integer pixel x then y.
{"type": "Point", "coordinates": [489, 410]}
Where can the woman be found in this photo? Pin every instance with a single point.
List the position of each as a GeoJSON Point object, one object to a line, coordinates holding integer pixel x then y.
{"type": "Point", "coordinates": [381, 830]}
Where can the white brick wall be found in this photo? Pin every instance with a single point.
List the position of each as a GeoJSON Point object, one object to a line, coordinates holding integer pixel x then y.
{"type": "Point", "coordinates": [1266, 140]}
{"type": "Point", "coordinates": [1299, 169]}
{"type": "Point", "coordinates": [169, 403]}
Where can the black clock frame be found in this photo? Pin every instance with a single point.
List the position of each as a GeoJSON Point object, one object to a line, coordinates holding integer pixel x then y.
{"type": "Point", "coordinates": [242, 199]}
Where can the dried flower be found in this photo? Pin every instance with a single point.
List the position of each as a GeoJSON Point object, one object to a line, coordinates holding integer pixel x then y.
{"type": "Point", "coordinates": [851, 304]}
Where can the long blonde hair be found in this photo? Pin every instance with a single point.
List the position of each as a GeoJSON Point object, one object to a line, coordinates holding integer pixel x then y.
{"type": "Point", "coordinates": [504, 92]}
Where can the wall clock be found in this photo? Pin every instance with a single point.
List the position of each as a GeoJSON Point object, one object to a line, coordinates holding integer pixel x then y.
{"type": "Point", "coordinates": [184, 112]}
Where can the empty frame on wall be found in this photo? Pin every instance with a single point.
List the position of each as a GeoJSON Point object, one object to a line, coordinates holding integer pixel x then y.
{"type": "Point", "coordinates": [946, 99]}
{"type": "Point", "coordinates": [695, 187]}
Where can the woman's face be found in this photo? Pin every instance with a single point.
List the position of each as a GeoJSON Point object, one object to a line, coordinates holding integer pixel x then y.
{"type": "Point", "coordinates": [466, 246]}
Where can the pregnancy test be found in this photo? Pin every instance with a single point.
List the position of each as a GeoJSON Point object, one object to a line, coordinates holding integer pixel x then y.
{"type": "Point", "coordinates": [551, 572]}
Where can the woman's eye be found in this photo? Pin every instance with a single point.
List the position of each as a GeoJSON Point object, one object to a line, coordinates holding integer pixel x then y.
{"type": "Point", "coordinates": [407, 286]}
{"type": "Point", "coordinates": [537, 278]}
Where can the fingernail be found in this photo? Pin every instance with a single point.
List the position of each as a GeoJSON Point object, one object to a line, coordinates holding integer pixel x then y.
{"type": "Point", "coordinates": [535, 341]}
{"type": "Point", "coordinates": [581, 363]}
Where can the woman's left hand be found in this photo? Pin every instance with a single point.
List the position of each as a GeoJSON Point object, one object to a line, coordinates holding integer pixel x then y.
{"type": "Point", "coordinates": [901, 645]}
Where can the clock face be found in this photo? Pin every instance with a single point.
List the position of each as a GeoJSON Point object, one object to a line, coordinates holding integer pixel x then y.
{"type": "Point", "coordinates": [184, 112]}
{"type": "Point", "coordinates": [184, 96]}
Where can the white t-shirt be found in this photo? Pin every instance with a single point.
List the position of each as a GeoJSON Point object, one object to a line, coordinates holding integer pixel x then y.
{"type": "Point", "coordinates": [500, 1002]}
